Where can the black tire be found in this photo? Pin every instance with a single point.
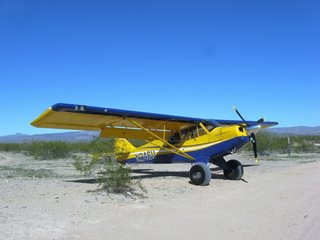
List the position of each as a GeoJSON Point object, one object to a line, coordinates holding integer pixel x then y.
{"type": "Point", "coordinates": [234, 171]}
{"type": "Point", "coordinates": [200, 174]}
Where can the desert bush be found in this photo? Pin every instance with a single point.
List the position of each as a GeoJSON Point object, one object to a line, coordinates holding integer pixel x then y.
{"type": "Point", "coordinates": [10, 147]}
{"type": "Point", "coordinates": [38, 150]}
{"type": "Point", "coordinates": [112, 176]}
{"type": "Point", "coordinates": [57, 149]}
{"type": "Point", "coordinates": [16, 171]}
{"type": "Point", "coordinates": [47, 150]}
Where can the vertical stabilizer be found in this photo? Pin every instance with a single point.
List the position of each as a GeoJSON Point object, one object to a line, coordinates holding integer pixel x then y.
{"type": "Point", "coordinates": [122, 149]}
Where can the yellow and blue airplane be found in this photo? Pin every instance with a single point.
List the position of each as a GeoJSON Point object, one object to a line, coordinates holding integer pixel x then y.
{"type": "Point", "coordinates": [169, 139]}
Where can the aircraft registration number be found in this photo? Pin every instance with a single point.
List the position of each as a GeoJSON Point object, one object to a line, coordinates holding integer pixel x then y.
{"type": "Point", "coordinates": [146, 156]}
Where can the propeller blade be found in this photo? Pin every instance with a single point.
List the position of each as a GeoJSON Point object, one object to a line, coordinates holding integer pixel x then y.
{"type": "Point", "coordinates": [254, 144]}
{"type": "Point", "coordinates": [261, 120]}
{"type": "Point", "coordinates": [236, 110]}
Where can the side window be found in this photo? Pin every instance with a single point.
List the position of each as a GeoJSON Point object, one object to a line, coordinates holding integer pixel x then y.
{"type": "Point", "coordinates": [175, 138]}
{"type": "Point", "coordinates": [196, 131]}
{"type": "Point", "coordinates": [193, 132]}
{"type": "Point", "coordinates": [201, 131]}
{"type": "Point", "coordinates": [186, 135]}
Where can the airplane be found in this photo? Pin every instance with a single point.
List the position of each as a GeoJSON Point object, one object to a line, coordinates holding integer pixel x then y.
{"type": "Point", "coordinates": [169, 139]}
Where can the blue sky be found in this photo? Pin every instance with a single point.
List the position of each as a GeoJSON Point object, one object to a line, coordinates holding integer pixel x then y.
{"type": "Point", "coordinates": [188, 58]}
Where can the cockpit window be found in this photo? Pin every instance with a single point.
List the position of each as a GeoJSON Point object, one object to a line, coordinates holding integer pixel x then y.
{"type": "Point", "coordinates": [175, 138]}
{"type": "Point", "coordinates": [197, 131]}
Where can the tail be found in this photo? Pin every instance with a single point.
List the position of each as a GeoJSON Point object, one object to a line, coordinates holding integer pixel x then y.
{"type": "Point", "coordinates": [122, 149]}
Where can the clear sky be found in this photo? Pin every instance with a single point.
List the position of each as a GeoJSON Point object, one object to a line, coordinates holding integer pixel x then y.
{"type": "Point", "coordinates": [188, 58]}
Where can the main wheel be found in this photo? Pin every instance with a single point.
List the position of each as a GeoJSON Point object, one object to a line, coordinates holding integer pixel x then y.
{"type": "Point", "coordinates": [200, 174]}
{"type": "Point", "coordinates": [234, 171]}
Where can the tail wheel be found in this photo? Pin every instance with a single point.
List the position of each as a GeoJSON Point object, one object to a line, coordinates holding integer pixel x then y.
{"type": "Point", "coordinates": [200, 174]}
{"type": "Point", "coordinates": [234, 170]}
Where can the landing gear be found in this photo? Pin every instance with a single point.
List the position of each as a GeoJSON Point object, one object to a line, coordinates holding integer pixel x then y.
{"type": "Point", "coordinates": [234, 170]}
{"type": "Point", "coordinates": [200, 174]}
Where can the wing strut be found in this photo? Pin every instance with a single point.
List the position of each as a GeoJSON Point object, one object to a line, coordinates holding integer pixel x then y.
{"type": "Point", "coordinates": [178, 151]}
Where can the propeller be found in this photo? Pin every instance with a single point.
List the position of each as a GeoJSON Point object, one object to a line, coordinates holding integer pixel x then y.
{"type": "Point", "coordinates": [252, 135]}
{"type": "Point", "coordinates": [254, 144]}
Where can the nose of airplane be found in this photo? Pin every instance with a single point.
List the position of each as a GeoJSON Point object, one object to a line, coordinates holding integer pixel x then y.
{"type": "Point", "coordinates": [253, 129]}
{"type": "Point", "coordinates": [240, 131]}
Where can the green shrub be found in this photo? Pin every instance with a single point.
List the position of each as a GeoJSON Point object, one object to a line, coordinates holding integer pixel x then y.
{"type": "Point", "coordinates": [48, 150]}
{"type": "Point", "coordinates": [57, 149]}
{"type": "Point", "coordinates": [13, 172]}
{"type": "Point", "coordinates": [112, 176]}
{"type": "Point", "coordinates": [10, 147]}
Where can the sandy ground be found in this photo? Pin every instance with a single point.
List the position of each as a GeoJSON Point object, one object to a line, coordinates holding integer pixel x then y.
{"type": "Point", "coordinates": [275, 200]}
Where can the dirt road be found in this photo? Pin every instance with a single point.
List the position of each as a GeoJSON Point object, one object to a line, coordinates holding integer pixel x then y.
{"type": "Point", "coordinates": [275, 200]}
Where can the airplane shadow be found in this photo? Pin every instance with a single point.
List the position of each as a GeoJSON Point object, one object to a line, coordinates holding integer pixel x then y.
{"type": "Point", "coordinates": [217, 173]}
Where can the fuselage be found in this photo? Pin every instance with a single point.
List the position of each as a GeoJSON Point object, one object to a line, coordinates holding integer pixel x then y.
{"type": "Point", "coordinates": [200, 144]}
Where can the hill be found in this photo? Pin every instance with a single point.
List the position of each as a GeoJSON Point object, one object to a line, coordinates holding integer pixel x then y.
{"type": "Point", "coordinates": [298, 130]}
{"type": "Point", "coordinates": [76, 136]}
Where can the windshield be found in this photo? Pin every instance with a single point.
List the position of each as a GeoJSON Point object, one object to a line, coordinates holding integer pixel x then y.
{"type": "Point", "coordinates": [211, 124]}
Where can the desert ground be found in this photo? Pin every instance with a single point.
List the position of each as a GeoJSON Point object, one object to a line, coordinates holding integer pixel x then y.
{"type": "Point", "coordinates": [277, 199]}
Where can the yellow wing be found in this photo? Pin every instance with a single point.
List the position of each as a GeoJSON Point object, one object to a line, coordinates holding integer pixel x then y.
{"type": "Point", "coordinates": [112, 122]}
{"type": "Point", "coordinates": [123, 123]}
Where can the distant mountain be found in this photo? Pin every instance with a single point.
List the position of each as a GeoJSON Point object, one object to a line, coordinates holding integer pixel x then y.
{"type": "Point", "coordinates": [79, 136]}
{"type": "Point", "coordinates": [299, 130]}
